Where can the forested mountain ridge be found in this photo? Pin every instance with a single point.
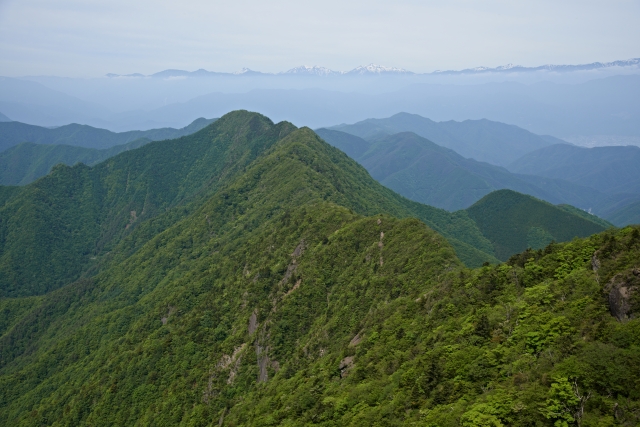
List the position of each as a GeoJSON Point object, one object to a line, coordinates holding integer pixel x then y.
{"type": "Point", "coordinates": [268, 305]}
{"type": "Point", "coordinates": [628, 214]}
{"type": "Point", "coordinates": [76, 214]}
{"type": "Point", "coordinates": [611, 170]}
{"type": "Point", "coordinates": [54, 228]}
{"type": "Point", "coordinates": [26, 162]}
{"type": "Point", "coordinates": [483, 140]}
{"type": "Point", "coordinates": [607, 169]}
{"type": "Point", "coordinates": [514, 222]}
{"type": "Point", "coordinates": [425, 172]}
{"type": "Point", "coordinates": [13, 133]}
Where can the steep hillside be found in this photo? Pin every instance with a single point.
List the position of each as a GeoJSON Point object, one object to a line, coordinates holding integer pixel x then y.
{"type": "Point", "coordinates": [55, 228]}
{"type": "Point", "coordinates": [482, 140]}
{"type": "Point", "coordinates": [74, 216]}
{"type": "Point", "coordinates": [13, 133]}
{"type": "Point", "coordinates": [352, 145]}
{"type": "Point", "coordinates": [629, 214]}
{"type": "Point", "coordinates": [4, 118]}
{"type": "Point", "coordinates": [267, 306]}
{"type": "Point", "coordinates": [607, 169]}
{"type": "Point", "coordinates": [428, 173]}
{"type": "Point", "coordinates": [585, 215]}
{"type": "Point", "coordinates": [272, 287]}
{"type": "Point", "coordinates": [514, 222]}
{"type": "Point", "coordinates": [26, 162]}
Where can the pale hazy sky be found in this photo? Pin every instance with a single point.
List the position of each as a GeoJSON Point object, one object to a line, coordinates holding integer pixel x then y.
{"type": "Point", "coordinates": [94, 37]}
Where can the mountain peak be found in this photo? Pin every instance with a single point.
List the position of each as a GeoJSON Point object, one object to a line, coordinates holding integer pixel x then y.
{"type": "Point", "coordinates": [247, 72]}
{"type": "Point", "coordinates": [548, 67]}
{"type": "Point", "coordinates": [315, 71]}
{"type": "Point", "coordinates": [377, 69]}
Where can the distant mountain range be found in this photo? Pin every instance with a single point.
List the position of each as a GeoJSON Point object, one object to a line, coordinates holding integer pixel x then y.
{"type": "Point", "coordinates": [436, 163]}
{"type": "Point", "coordinates": [428, 173]}
{"type": "Point", "coordinates": [29, 152]}
{"type": "Point", "coordinates": [374, 69]}
{"type": "Point", "coordinates": [511, 68]}
{"type": "Point", "coordinates": [483, 140]}
{"type": "Point", "coordinates": [600, 107]}
{"type": "Point", "coordinates": [13, 133]}
{"type": "Point", "coordinates": [371, 69]}
{"type": "Point", "coordinates": [607, 169]}
{"type": "Point", "coordinates": [449, 165]}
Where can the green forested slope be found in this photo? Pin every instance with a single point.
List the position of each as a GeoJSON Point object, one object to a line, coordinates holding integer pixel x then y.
{"type": "Point", "coordinates": [629, 214]}
{"type": "Point", "coordinates": [267, 306]}
{"type": "Point", "coordinates": [352, 145]}
{"type": "Point", "coordinates": [13, 133]}
{"type": "Point", "coordinates": [428, 173]}
{"type": "Point", "coordinates": [26, 162]}
{"type": "Point", "coordinates": [59, 226]}
{"type": "Point", "coordinates": [514, 222]}
{"type": "Point", "coordinates": [285, 294]}
{"type": "Point", "coordinates": [586, 215]}
{"type": "Point", "coordinates": [54, 228]}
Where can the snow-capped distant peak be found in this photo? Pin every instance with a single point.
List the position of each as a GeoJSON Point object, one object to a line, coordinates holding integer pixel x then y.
{"type": "Point", "coordinates": [315, 70]}
{"type": "Point", "coordinates": [633, 62]}
{"type": "Point", "coordinates": [242, 71]}
{"type": "Point", "coordinates": [508, 67]}
{"type": "Point", "coordinates": [378, 69]}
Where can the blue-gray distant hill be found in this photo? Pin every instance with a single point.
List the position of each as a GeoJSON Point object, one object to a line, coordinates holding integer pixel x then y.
{"type": "Point", "coordinates": [482, 140]}
{"type": "Point", "coordinates": [607, 169]}
{"type": "Point", "coordinates": [13, 133]}
{"type": "Point", "coordinates": [604, 107]}
{"type": "Point", "coordinates": [27, 161]}
{"type": "Point", "coordinates": [614, 171]}
{"type": "Point", "coordinates": [627, 214]}
{"type": "Point", "coordinates": [428, 173]}
{"type": "Point", "coordinates": [4, 118]}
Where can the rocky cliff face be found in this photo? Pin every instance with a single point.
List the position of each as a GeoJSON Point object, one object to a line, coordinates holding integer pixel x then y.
{"type": "Point", "coordinates": [624, 297]}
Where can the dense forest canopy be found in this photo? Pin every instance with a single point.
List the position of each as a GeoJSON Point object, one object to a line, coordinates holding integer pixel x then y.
{"type": "Point", "coordinates": [251, 274]}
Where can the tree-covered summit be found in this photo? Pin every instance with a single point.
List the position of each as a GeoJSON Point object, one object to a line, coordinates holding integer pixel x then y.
{"type": "Point", "coordinates": [59, 227]}
{"type": "Point", "coordinates": [514, 222]}
{"type": "Point", "coordinates": [243, 313]}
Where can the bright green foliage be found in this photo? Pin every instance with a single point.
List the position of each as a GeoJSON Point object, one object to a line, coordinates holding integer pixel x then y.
{"type": "Point", "coordinates": [562, 403]}
{"type": "Point", "coordinates": [263, 303]}
{"type": "Point", "coordinates": [165, 338]}
{"type": "Point", "coordinates": [514, 222]}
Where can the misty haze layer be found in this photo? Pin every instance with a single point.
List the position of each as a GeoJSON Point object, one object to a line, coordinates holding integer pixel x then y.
{"type": "Point", "coordinates": [600, 108]}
